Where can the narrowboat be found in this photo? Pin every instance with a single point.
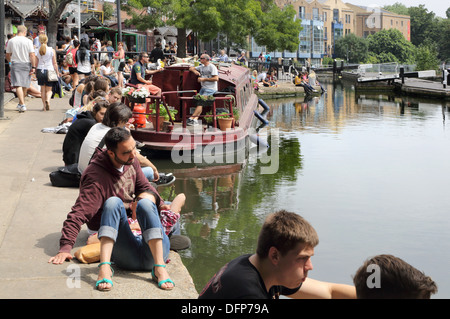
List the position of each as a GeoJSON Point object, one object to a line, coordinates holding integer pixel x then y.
{"type": "Point", "coordinates": [168, 131]}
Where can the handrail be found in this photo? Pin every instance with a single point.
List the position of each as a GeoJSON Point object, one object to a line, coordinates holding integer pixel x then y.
{"type": "Point", "coordinates": [214, 115]}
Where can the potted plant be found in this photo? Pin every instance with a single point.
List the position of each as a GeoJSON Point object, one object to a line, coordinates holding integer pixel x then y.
{"type": "Point", "coordinates": [225, 121]}
{"type": "Point", "coordinates": [203, 100]}
{"type": "Point", "coordinates": [163, 114]}
{"type": "Point", "coordinates": [136, 95]}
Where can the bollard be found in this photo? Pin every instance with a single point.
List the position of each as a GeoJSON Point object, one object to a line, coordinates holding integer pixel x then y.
{"type": "Point", "coordinates": [444, 80]}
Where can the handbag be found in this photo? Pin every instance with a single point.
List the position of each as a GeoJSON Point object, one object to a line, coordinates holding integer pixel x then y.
{"type": "Point", "coordinates": [52, 76]}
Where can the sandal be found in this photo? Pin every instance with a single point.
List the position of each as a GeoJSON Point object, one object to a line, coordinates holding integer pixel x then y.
{"type": "Point", "coordinates": [160, 283]}
{"type": "Point", "coordinates": [104, 280]}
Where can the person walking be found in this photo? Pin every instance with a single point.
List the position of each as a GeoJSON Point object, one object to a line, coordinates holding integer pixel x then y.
{"type": "Point", "coordinates": [46, 63]}
{"type": "Point", "coordinates": [20, 52]}
{"type": "Point", "coordinates": [71, 62]}
{"type": "Point", "coordinates": [84, 60]}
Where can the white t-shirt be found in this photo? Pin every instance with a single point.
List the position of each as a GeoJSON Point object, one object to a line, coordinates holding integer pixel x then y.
{"type": "Point", "coordinates": [90, 143]}
{"type": "Point", "coordinates": [46, 60]}
{"type": "Point", "coordinates": [20, 48]}
{"type": "Point", "coordinates": [105, 70]}
{"type": "Point", "coordinates": [208, 71]}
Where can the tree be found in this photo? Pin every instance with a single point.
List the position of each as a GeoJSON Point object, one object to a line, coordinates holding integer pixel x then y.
{"type": "Point", "coordinates": [55, 8]}
{"type": "Point", "coordinates": [398, 8]}
{"type": "Point", "coordinates": [235, 20]}
{"type": "Point", "coordinates": [352, 48]}
{"type": "Point", "coordinates": [389, 44]}
{"type": "Point", "coordinates": [426, 57]}
{"type": "Point", "coordinates": [279, 29]}
{"type": "Point", "coordinates": [108, 10]}
{"type": "Point", "coordinates": [422, 24]}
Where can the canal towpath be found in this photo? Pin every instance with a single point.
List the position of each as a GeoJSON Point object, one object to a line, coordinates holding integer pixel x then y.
{"type": "Point", "coordinates": [32, 213]}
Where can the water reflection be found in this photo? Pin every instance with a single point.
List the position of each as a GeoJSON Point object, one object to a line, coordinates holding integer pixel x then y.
{"type": "Point", "coordinates": [367, 170]}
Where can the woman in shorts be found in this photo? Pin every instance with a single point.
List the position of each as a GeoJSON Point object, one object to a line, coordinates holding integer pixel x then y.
{"type": "Point", "coordinates": [46, 61]}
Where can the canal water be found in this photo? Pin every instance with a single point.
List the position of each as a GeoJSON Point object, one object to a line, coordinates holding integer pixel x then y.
{"type": "Point", "coordinates": [369, 171]}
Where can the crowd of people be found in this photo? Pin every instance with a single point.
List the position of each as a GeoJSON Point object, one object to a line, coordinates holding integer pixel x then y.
{"type": "Point", "coordinates": [119, 199]}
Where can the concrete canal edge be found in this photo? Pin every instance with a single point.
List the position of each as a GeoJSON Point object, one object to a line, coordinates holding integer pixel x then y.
{"type": "Point", "coordinates": [284, 89]}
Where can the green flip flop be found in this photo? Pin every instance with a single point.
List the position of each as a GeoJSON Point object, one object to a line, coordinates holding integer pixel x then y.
{"type": "Point", "coordinates": [105, 280]}
{"type": "Point", "coordinates": [160, 283]}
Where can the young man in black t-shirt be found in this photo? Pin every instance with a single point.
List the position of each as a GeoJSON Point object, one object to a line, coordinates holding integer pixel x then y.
{"type": "Point", "coordinates": [279, 267]}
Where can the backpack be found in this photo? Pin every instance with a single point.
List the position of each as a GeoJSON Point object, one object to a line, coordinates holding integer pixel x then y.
{"type": "Point", "coordinates": [69, 58]}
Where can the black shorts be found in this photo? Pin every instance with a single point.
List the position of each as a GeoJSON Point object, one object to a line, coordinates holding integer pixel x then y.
{"type": "Point", "coordinates": [72, 70]}
{"type": "Point", "coordinates": [42, 78]}
{"type": "Point", "coordinates": [86, 74]}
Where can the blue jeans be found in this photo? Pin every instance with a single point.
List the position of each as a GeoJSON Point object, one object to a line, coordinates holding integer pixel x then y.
{"type": "Point", "coordinates": [204, 91]}
{"type": "Point", "coordinates": [132, 252]}
{"type": "Point", "coordinates": [149, 174]}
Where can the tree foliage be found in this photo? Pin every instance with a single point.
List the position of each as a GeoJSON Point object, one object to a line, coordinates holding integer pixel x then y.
{"type": "Point", "coordinates": [423, 24]}
{"type": "Point", "coordinates": [279, 29]}
{"type": "Point", "coordinates": [426, 58]}
{"type": "Point", "coordinates": [391, 44]}
{"type": "Point", "coordinates": [353, 48]}
{"type": "Point", "coordinates": [398, 8]}
{"type": "Point", "coordinates": [234, 20]}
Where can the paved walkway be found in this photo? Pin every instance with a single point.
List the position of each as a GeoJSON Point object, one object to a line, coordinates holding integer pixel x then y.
{"type": "Point", "coordinates": [32, 213]}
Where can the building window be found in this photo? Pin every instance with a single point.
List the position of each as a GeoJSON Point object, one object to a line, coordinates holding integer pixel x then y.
{"type": "Point", "coordinates": [315, 12]}
{"type": "Point", "coordinates": [301, 12]}
{"type": "Point", "coordinates": [336, 15]}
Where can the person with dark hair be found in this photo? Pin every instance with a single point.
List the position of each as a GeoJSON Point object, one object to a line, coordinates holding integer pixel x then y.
{"type": "Point", "coordinates": [84, 60]}
{"type": "Point", "coordinates": [117, 115]}
{"type": "Point", "coordinates": [138, 73]}
{"type": "Point", "coordinates": [108, 72]}
{"type": "Point", "coordinates": [280, 266]}
{"type": "Point", "coordinates": [157, 53]}
{"type": "Point", "coordinates": [79, 129]}
{"type": "Point", "coordinates": [71, 62]}
{"type": "Point", "coordinates": [389, 277]}
{"type": "Point", "coordinates": [107, 188]}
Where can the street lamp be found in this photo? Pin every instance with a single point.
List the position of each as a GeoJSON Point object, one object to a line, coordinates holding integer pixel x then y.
{"type": "Point", "coordinates": [119, 22]}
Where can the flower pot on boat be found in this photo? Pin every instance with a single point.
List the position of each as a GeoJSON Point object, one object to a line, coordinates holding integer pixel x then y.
{"type": "Point", "coordinates": [225, 123]}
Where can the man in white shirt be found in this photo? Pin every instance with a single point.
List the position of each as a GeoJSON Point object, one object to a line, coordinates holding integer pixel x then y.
{"type": "Point", "coordinates": [208, 76]}
{"type": "Point", "coordinates": [20, 52]}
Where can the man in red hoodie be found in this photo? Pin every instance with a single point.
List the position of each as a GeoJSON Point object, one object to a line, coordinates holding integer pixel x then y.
{"type": "Point", "coordinates": [108, 187]}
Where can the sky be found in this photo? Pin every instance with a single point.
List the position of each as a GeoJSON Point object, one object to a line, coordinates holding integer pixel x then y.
{"type": "Point", "coordinates": [437, 6]}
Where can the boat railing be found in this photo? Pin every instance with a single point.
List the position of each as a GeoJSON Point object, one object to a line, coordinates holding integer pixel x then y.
{"type": "Point", "coordinates": [229, 99]}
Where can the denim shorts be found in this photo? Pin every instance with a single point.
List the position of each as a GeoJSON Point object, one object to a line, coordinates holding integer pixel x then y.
{"type": "Point", "coordinates": [42, 79]}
